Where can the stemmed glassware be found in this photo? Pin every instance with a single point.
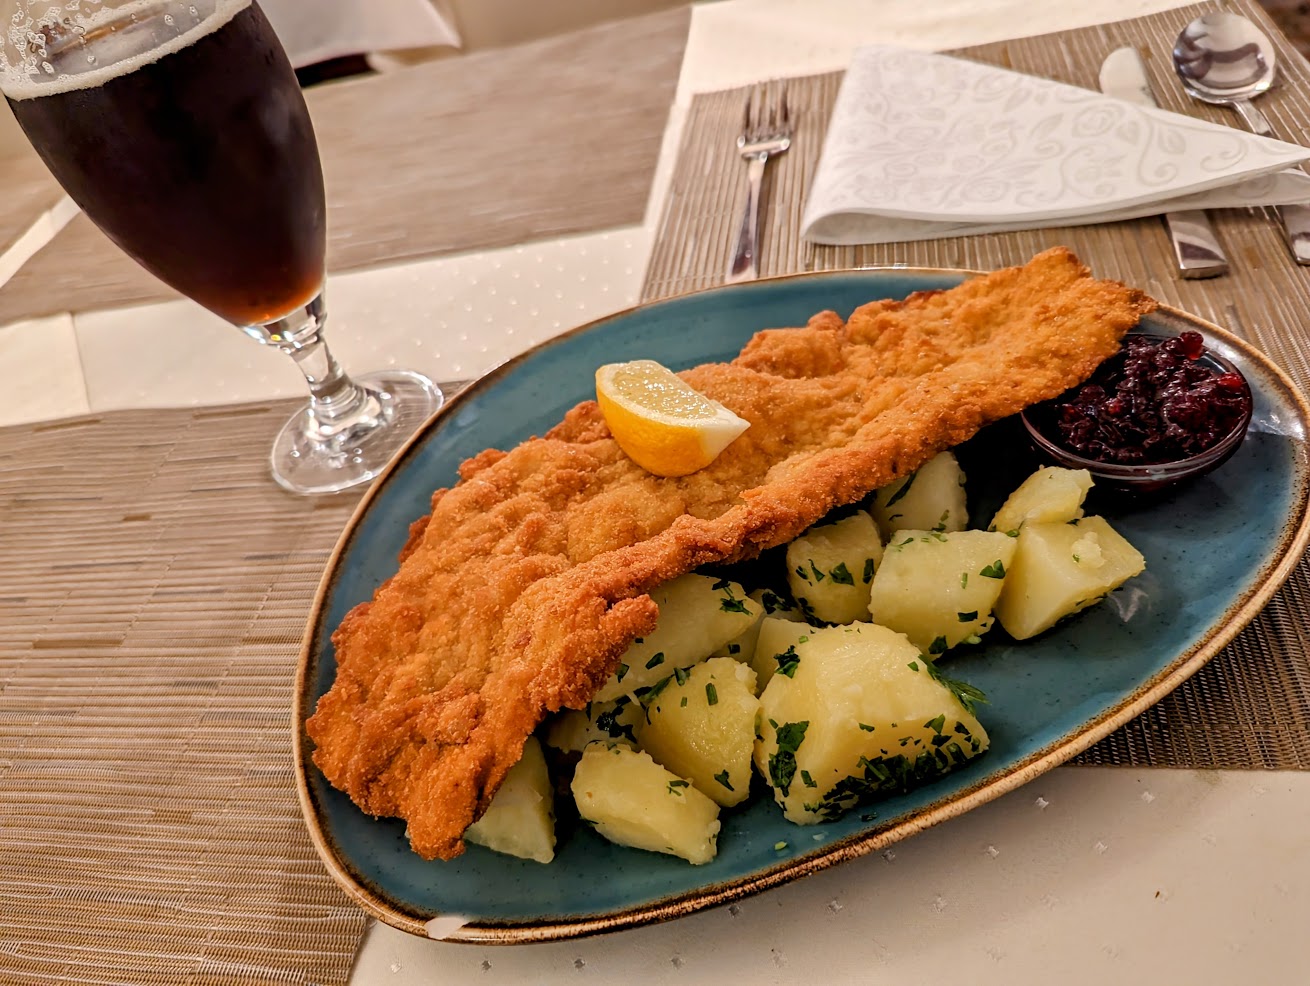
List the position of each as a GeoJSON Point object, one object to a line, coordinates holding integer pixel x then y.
{"type": "Point", "coordinates": [180, 129]}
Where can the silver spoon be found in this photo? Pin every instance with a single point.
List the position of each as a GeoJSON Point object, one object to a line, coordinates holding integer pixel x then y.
{"type": "Point", "coordinates": [1225, 59]}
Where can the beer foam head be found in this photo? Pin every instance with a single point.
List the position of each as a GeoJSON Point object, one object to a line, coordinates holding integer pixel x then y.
{"type": "Point", "coordinates": [51, 49]}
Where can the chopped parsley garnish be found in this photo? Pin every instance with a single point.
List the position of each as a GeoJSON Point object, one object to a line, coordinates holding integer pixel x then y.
{"type": "Point", "coordinates": [711, 693]}
{"type": "Point", "coordinates": [967, 694]}
{"type": "Point", "coordinates": [866, 727]}
{"type": "Point", "coordinates": [675, 787]}
{"type": "Point", "coordinates": [842, 575]}
{"type": "Point", "coordinates": [609, 724]}
{"type": "Point", "coordinates": [935, 724]}
{"type": "Point", "coordinates": [900, 493]}
{"type": "Point", "coordinates": [996, 570]}
{"type": "Point", "coordinates": [782, 764]}
{"type": "Point", "coordinates": [623, 669]}
{"type": "Point", "coordinates": [964, 580]}
{"type": "Point", "coordinates": [722, 778]}
{"type": "Point", "coordinates": [655, 661]}
{"type": "Point", "coordinates": [731, 604]}
{"type": "Point", "coordinates": [815, 569]}
{"type": "Point", "coordinates": [967, 617]}
{"type": "Point", "coordinates": [807, 780]}
{"type": "Point", "coordinates": [800, 570]}
{"type": "Point", "coordinates": [683, 703]}
{"type": "Point", "coordinates": [680, 675]}
{"type": "Point", "coordinates": [653, 692]}
{"type": "Point", "coordinates": [734, 648]}
{"type": "Point", "coordinates": [608, 721]}
{"type": "Point", "coordinates": [788, 661]}
{"type": "Point", "coordinates": [938, 646]}
{"type": "Point", "coordinates": [868, 571]}
{"type": "Point", "coordinates": [773, 602]}
{"type": "Point", "coordinates": [941, 523]}
{"type": "Point", "coordinates": [880, 776]}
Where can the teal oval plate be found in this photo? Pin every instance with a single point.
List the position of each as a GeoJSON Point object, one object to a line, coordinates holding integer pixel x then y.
{"type": "Point", "coordinates": [1216, 550]}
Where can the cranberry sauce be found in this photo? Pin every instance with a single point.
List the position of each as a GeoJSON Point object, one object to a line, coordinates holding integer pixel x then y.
{"type": "Point", "coordinates": [1157, 400]}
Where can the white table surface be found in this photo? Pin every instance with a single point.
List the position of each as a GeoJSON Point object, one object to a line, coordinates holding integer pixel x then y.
{"type": "Point", "coordinates": [313, 32]}
{"type": "Point", "coordinates": [1086, 875]}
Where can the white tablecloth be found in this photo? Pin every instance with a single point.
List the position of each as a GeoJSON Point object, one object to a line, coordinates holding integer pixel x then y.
{"type": "Point", "coordinates": [320, 29]}
{"type": "Point", "coordinates": [1085, 876]}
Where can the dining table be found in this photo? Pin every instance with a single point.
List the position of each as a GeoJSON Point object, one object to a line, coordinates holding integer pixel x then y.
{"type": "Point", "coordinates": [155, 582]}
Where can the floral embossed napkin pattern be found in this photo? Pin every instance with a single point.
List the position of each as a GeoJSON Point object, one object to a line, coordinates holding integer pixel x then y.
{"type": "Point", "coordinates": [922, 146]}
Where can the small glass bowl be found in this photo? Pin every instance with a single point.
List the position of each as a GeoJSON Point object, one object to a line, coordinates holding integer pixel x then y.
{"type": "Point", "coordinates": [1139, 478]}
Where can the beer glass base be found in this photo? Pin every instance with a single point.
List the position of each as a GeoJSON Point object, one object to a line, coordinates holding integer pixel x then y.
{"type": "Point", "coordinates": [399, 401]}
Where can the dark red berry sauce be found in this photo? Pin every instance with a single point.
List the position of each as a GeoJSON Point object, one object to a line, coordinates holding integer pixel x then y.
{"type": "Point", "coordinates": [1157, 400]}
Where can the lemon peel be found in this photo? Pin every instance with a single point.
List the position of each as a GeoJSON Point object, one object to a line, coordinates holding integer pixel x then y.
{"type": "Point", "coordinates": [662, 423]}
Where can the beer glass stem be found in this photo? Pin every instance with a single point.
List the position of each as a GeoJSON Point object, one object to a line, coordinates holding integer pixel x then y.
{"type": "Point", "coordinates": [337, 405]}
{"type": "Point", "coordinates": [350, 429]}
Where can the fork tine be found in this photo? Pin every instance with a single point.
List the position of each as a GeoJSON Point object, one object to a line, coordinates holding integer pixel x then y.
{"type": "Point", "coordinates": [766, 131]}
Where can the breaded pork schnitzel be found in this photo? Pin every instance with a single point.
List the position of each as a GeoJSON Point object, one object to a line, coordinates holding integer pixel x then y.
{"type": "Point", "coordinates": [518, 594]}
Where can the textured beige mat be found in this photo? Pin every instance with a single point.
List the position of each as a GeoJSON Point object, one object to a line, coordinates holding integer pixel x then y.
{"type": "Point", "coordinates": [1251, 706]}
{"type": "Point", "coordinates": [492, 149]}
{"type": "Point", "coordinates": [154, 584]}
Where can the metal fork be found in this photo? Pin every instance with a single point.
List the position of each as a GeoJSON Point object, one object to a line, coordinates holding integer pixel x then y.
{"type": "Point", "coordinates": [766, 130]}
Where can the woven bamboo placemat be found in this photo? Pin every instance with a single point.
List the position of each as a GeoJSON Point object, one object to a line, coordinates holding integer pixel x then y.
{"type": "Point", "coordinates": [1250, 707]}
{"type": "Point", "coordinates": [493, 149]}
{"type": "Point", "coordinates": [154, 585]}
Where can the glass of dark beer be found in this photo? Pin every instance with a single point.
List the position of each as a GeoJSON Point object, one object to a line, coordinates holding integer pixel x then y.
{"type": "Point", "coordinates": [181, 131]}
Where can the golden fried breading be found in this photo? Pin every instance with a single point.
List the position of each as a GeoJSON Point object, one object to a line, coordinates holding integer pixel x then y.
{"type": "Point", "coordinates": [518, 594]}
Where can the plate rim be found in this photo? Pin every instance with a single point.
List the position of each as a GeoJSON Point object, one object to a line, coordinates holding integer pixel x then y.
{"type": "Point", "coordinates": [1278, 566]}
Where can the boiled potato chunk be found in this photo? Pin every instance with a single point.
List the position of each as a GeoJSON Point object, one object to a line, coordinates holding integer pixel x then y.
{"type": "Point", "coordinates": [830, 567]}
{"type": "Point", "coordinates": [521, 818]}
{"type": "Point", "coordinates": [698, 615]}
{"type": "Point", "coordinates": [633, 801]}
{"type": "Point", "coordinates": [1051, 495]}
{"type": "Point", "coordinates": [939, 589]}
{"type": "Point", "coordinates": [931, 499]}
{"type": "Point", "coordinates": [776, 647]}
{"type": "Point", "coordinates": [572, 729]}
{"type": "Point", "coordinates": [863, 716]}
{"type": "Point", "coordinates": [701, 726]}
{"type": "Point", "coordinates": [742, 646]}
{"type": "Point", "coordinates": [1060, 569]}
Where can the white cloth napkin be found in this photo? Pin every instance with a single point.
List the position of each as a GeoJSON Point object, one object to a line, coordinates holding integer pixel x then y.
{"type": "Point", "coordinates": [322, 29]}
{"type": "Point", "coordinates": [922, 146]}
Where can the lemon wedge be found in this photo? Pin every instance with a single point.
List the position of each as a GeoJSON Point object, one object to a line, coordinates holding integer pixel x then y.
{"type": "Point", "coordinates": [664, 426]}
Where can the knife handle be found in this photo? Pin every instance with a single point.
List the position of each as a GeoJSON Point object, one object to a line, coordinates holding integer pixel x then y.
{"type": "Point", "coordinates": [1196, 247]}
{"type": "Point", "coordinates": [1296, 229]}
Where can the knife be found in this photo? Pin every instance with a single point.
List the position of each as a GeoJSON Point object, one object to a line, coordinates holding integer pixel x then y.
{"type": "Point", "coordinates": [1196, 247]}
